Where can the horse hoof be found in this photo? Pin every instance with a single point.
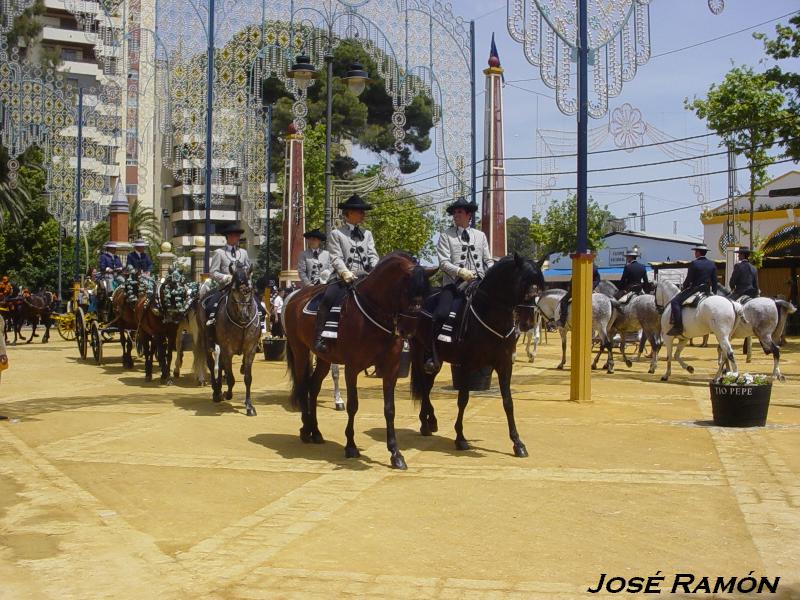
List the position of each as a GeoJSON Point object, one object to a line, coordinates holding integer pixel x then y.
{"type": "Point", "coordinates": [462, 445]}
{"type": "Point", "coordinates": [251, 412]}
{"type": "Point", "coordinates": [560, 367]}
{"type": "Point", "coordinates": [425, 431]}
{"type": "Point", "coordinates": [628, 363]}
{"type": "Point", "coordinates": [594, 367]}
{"type": "Point", "coordinates": [316, 438]}
{"type": "Point", "coordinates": [520, 451]}
{"type": "Point", "coordinates": [305, 436]}
{"type": "Point", "coordinates": [651, 371]}
{"type": "Point", "coordinates": [664, 378]}
{"type": "Point", "coordinates": [610, 370]}
{"type": "Point", "coordinates": [228, 395]}
{"type": "Point", "coordinates": [217, 397]}
{"type": "Point", "coordinates": [398, 462]}
{"type": "Point", "coordinates": [148, 377]}
{"type": "Point", "coordinates": [433, 425]}
{"type": "Point", "coordinates": [690, 369]}
{"type": "Point", "coordinates": [351, 452]}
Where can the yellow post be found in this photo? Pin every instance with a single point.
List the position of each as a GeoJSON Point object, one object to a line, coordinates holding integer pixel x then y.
{"type": "Point", "coordinates": [580, 379]}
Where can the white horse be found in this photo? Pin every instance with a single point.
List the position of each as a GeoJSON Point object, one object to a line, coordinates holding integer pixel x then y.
{"type": "Point", "coordinates": [765, 319]}
{"type": "Point", "coordinates": [603, 314]}
{"type": "Point", "coordinates": [638, 314]}
{"type": "Point", "coordinates": [715, 314]}
{"type": "Point", "coordinates": [534, 335]}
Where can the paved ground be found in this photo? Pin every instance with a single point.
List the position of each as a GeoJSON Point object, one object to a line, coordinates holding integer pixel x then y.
{"type": "Point", "coordinates": [111, 487]}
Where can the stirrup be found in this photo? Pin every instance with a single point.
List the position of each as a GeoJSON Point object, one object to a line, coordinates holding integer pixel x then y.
{"type": "Point", "coordinates": [675, 331]}
{"type": "Point", "coordinates": [431, 367]}
{"type": "Point", "coordinates": [320, 346]}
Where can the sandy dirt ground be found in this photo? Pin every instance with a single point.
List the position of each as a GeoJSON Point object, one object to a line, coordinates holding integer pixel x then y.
{"type": "Point", "coordinates": [111, 487]}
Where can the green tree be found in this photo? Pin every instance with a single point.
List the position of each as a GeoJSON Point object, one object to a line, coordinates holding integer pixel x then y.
{"type": "Point", "coordinates": [401, 221]}
{"type": "Point", "coordinates": [518, 236]}
{"type": "Point", "coordinates": [784, 47]}
{"type": "Point", "coordinates": [557, 230]}
{"type": "Point", "coordinates": [744, 110]}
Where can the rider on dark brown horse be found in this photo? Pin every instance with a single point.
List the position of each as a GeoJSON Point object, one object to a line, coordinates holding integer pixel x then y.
{"type": "Point", "coordinates": [219, 268]}
{"type": "Point", "coordinates": [464, 255]}
{"type": "Point", "coordinates": [6, 289]}
{"type": "Point", "coordinates": [353, 254]}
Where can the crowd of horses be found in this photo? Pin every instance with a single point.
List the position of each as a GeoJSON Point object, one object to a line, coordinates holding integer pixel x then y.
{"type": "Point", "coordinates": [27, 309]}
{"type": "Point", "coordinates": [394, 305]}
{"type": "Point", "coordinates": [647, 316]}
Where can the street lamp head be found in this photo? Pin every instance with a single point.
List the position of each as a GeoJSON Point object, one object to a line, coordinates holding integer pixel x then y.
{"type": "Point", "coordinates": [356, 78]}
{"type": "Point", "coordinates": [302, 72]}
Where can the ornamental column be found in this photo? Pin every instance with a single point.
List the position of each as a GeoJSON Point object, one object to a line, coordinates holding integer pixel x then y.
{"type": "Point", "coordinates": [493, 206]}
{"type": "Point", "coordinates": [118, 212]}
{"type": "Point", "coordinates": [294, 221]}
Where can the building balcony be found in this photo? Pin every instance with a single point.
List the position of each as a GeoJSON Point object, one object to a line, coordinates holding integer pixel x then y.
{"type": "Point", "coordinates": [199, 190]}
{"type": "Point", "coordinates": [200, 215]}
{"type": "Point", "coordinates": [77, 67]}
{"type": "Point", "coordinates": [67, 36]}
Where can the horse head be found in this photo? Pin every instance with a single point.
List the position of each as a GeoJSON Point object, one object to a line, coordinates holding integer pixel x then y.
{"type": "Point", "coordinates": [513, 280]}
{"type": "Point", "coordinates": [241, 284]}
{"type": "Point", "coordinates": [665, 291]}
{"type": "Point", "coordinates": [607, 289]}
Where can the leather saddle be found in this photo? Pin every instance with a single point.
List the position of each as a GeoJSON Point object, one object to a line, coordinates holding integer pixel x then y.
{"type": "Point", "coordinates": [695, 299]}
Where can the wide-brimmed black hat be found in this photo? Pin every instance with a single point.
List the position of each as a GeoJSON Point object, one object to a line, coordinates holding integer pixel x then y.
{"type": "Point", "coordinates": [461, 202]}
{"type": "Point", "coordinates": [633, 252]}
{"type": "Point", "coordinates": [315, 233]}
{"type": "Point", "coordinates": [355, 202]}
{"type": "Point", "coordinates": [743, 250]}
{"type": "Point", "coordinates": [230, 228]}
{"type": "Point", "coordinates": [700, 248]}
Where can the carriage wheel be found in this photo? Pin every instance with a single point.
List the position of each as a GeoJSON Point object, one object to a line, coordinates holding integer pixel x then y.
{"type": "Point", "coordinates": [97, 343]}
{"type": "Point", "coordinates": [65, 325]}
{"type": "Point", "coordinates": [80, 332]}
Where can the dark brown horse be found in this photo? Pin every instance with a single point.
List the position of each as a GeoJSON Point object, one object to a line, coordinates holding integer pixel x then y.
{"type": "Point", "coordinates": [126, 321]}
{"type": "Point", "coordinates": [490, 327]}
{"type": "Point", "coordinates": [237, 331]}
{"type": "Point", "coordinates": [378, 312]}
{"type": "Point", "coordinates": [32, 309]}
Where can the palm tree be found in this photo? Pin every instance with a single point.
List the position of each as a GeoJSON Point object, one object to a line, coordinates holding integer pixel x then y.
{"type": "Point", "coordinates": [142, 221]}
{"type": "Point", "coordinates": [12, 203]}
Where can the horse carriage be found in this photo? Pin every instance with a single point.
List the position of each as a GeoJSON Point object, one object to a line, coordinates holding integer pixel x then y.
{"type": "Point", "coordinates": [93, 321]}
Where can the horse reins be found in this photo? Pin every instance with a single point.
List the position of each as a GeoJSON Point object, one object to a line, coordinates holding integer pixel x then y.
{"type": "Point", "coordinates": [394, 318]}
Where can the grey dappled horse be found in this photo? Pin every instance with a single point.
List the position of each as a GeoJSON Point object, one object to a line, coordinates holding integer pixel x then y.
{"type": "Point", "coordinates": [640, 313]}
{"type": "Point", "coordinates": [765, 319]}
{"type": "Point", "coordinates": [603, 314]}
{"type": "Point", "coordinates": [714, 314]}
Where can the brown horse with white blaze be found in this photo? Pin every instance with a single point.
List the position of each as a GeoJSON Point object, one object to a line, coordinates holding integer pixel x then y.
{"type": "Point", "coordinates": [378, 312]}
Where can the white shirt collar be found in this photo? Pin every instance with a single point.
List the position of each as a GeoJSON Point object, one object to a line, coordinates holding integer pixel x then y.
{"type": "Point", "coordinates": [350, 226]}
{"type": "Point", "coordinates": [460, 230]}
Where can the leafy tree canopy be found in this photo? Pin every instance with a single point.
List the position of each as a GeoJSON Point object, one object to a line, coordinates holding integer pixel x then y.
{"type": "Point", "coordinates": [518, 236]}
{"type": "Point", "coordinates": [557, 230]}
{"type": "Point", "coordinates": [786, 46]}
{"type": "Point", "coordinates": [744, 111]}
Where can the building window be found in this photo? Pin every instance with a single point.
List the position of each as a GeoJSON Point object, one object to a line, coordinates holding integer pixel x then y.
{"type": "Point", "coordinates": [131, 162]}
{"type": "Point", "coordinates": [69, 54]}
{"type": "Point", "coordinates": [131, 189]}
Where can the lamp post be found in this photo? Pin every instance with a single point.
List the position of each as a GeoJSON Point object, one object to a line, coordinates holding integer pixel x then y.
{"type": "Point", "coordinates": [302, 72]}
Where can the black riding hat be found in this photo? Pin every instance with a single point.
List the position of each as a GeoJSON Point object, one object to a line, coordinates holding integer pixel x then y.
{"type": "Point", "coordinates": [461, 202]}
{"type": "Point", "coordinates": [355, 202]}
{"type": "Point", "coordinates": [315, 233]}
{"type": "Point", "coordinates": [744, 250]}
{"type": "Point", "coordinates": [230, 228]}
{"type": "Point", "coordinates": [701, 248]}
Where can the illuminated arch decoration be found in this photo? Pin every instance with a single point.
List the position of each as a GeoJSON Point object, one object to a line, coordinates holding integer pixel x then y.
{"type": "Point", "coordinates": [785, 241]}
{"type": "Point", "coordinates": [625, 129]}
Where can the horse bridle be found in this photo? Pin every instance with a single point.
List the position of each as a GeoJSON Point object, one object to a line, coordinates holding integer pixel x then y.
{"type": "Point", "coordinates": [394, 317]}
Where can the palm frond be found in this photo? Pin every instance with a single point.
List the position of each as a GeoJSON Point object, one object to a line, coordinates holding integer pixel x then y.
{"type": "Point", "coordinates": [13, 201]}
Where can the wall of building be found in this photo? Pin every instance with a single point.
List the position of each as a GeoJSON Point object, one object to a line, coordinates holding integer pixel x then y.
{"type": "Point", "coordinates": [651, 248]}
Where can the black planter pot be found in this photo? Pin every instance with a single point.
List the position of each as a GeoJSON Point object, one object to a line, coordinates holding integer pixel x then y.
{"type": "Point", "coordinates": [274, 349]}
{"type": "Point", "coordinates": [740, 405]}
{"type": "Point", "coordinates": [478, 381]}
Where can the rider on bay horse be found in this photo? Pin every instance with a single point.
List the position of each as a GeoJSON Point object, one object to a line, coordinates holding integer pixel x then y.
{"type": "Point", "coordinates": [314, 264]}
{"type": "Point", "coordinates": [464, 255]}
{"type": "Point", "coordinates": [702, 273]}
{"type": "Point", "coordinates": [219, 268]}
{"type": "Point", "coordinates": [353, 254]}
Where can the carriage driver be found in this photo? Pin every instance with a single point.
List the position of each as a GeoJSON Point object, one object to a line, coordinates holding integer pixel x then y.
{"type": "Point", "coordinates": [110, 264]}
{"type": "Point", "coordinates": [139, 260]}
{"type": "Point", "coordinates": [464, 255]}
{"type": "Point", "coordinates": [219, 268]}
{"type": "Point", "coordinates": [634, 275]}
{"type": "Point", "coordinates": [702, 273]}
{"type": "Point", "coordinates": [744, 279]}
{"type": "Point", "coordinates": [314, 265]}
{"type": "Point", "coordinates": [6, 289]}
{"type": "Point", "coordinates": [353, 254]}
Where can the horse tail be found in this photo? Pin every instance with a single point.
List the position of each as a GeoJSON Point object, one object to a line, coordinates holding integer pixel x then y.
{"type": "Point", "coordinates": [299, 384]}
{"type": "Point", "coordinates": [417, 380]}
{"type": "Point", "coordinates": [784, 310]}
{"type": "Point", "coordinates": [199, 346]}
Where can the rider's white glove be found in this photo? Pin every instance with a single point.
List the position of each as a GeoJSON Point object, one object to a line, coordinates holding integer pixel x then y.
{"type": "Point", "coordinates": [108, 270]}
{"type": "Point", "coordinates": [466, 274]}
{"type": "Point", "coordinates": [226, 279]}
{"type": "Point", "coordinates": [347, 276]}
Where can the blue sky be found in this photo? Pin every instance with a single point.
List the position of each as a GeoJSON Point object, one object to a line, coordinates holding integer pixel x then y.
{"type": "Point", "coordinates": [658, 91]}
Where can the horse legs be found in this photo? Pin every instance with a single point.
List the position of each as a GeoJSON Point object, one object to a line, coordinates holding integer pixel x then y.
{"type": "Point", "coordinates": [247, 363]}
{"type": "Point", "coordinates": [389, 383]}
{"type": "Point", "coordinates": [148, 347]}
{"type": "Point", "coordinates": [668, 345]}
{"type": "Point", "coordinates": [748, 348]}
{"type": "Point", "coordinates": [216, 378]}
{"type": "Point", "coordinates": [351, 380]}
{"type": "Point", "coordinates": [504, 379]}
{"type": "Point", "coordinates": [727, 352]}
{"type": "Point", "coordinates": [563, 333]}
{"type": "Point", "coordinates": [314, 385]}
{"type": "Point", "coordinates": [679, 358]}
{"type": "Point", "coordinates": [605, 338]}
{"type": "Point", "coordinates": [226, 364]}
{"type": "Point", "coordinates": [337, 394]}
{"type": "Point", "coordinates": [655, 347]}
{"type": "Point", "coordinates": [463, 399]}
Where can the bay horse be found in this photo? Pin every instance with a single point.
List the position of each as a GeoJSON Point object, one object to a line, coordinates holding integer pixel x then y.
{"type": "Point", "coordinates": [237, 331]}
{"type": "Point", "coordinates": [32, 309]}
{"type": "Point", "coordinates": [490, 326]}
{"type": "Point", "coordinates": [126, 321]}
{"type": "Point", "coordinates": [377, 313]}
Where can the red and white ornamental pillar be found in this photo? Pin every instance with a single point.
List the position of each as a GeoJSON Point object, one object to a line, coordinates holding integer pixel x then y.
{"type": "Point", "coordinates": [294, 221]}
{"type": "Point", "coordinates": [493, 206]}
